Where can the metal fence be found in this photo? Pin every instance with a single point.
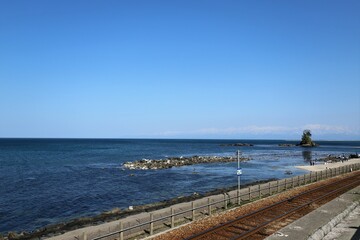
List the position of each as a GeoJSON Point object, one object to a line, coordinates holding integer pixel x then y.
{"type": "Point", "coordinates": [229, 199]}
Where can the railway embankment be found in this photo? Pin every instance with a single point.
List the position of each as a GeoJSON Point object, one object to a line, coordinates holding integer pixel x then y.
{"type": "Point", "coordinates": [149, 223]}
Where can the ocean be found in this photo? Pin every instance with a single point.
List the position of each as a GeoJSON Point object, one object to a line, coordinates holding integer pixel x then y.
{"type": "Point", "coordinates": [48, 181]}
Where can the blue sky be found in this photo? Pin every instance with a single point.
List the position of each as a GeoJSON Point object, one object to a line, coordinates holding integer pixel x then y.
{"type": "Point", "coordinates": [180, 69]}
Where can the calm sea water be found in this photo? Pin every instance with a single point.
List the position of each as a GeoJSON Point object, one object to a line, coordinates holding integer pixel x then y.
{"type": "Point", "coordinates": [46, 181]}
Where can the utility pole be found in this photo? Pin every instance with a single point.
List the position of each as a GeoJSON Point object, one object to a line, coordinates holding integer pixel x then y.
{"type": "Point", "coordinates": [238, 173]}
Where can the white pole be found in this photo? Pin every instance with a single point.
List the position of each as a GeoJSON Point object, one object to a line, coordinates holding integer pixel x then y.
{"type": "Point", "coordinates": [238, 158]}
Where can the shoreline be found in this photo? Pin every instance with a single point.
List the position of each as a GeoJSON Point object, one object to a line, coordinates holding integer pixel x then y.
{"type": "Point", "coordinates": [116, 214]}
{"type": "Point", "coordinates": [324, 166]}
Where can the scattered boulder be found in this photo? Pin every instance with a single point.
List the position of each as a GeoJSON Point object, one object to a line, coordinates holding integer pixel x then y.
{"type": "Point", "coordinates": [286, 145]}
{"type": "Point", "coordinates": [238, 145]}
{"type": "Point", "coordinates": [12, 235]}
{"type": "Point", "coordinates": [354, 155]}
{"type": "Point", "coordinates": [335, 158]}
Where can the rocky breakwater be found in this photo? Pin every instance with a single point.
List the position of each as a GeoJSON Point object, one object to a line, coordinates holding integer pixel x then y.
{"type": "Point", "coordinates": [146, 164]}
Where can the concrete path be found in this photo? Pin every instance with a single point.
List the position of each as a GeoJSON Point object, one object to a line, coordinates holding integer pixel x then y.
{"type": "Point", "coordinates": [348, 229]}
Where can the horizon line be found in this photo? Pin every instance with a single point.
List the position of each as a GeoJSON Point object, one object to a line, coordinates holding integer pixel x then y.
{"type": "Point", "coordinates": [156, 138]}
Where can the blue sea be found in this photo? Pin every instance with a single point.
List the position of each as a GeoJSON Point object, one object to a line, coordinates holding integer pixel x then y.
{"type": "Point", "coordinates": [47, 181]}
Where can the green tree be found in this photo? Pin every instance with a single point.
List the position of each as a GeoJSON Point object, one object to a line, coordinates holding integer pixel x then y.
{"type": "Point", "coordinates": [306, 138]}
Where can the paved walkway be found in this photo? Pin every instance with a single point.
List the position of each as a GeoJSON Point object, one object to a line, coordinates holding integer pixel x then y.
{"type": "Point", "coordinates": [348, 229]}
{"type": "Point", "coordinates": [322, 166]}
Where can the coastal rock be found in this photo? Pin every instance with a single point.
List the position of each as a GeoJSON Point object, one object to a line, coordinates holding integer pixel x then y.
{"type": "Point", "coordinates": [335, 158]}
{"type": "Point", "coordinates": [286, 145]}
{"type": "Point", "coordinates": [12, 235]}
{"type": "Point", "coordinates": [312, 144]}
{"type": "Point", "coordinates": [238, 145]}
{"type": "Point", "coordinates": [147, 164]}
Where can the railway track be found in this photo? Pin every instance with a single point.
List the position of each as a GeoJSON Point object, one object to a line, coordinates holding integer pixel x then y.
{"type": "Point", "coordinates": [265, 221]}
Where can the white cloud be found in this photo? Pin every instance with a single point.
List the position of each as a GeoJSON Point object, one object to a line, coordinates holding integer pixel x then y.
{"type": "Point", "coordinates": [322, 129]}
{"type": "Point", "coordinates": [317, 129]}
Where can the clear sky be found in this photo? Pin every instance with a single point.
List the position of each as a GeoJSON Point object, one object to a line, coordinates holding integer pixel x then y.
{"type": "Point", "coordinates": [180, 69]}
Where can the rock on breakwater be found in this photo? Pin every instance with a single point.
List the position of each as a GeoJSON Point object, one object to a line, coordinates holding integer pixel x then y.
{"type": "Point", "coordinates": [146, 164]}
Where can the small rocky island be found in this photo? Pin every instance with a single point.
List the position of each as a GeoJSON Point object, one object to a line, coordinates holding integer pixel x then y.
{"type": "Point", "coordinates": [147, 164]}
{"type": "Point", "coordinates": [306, 140]}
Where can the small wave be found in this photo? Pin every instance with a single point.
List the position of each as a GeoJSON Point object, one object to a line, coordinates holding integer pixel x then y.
{"type": "Point", "coordinates": [103, 165]}
{"type": "Point", "coordinates": [30, 178]}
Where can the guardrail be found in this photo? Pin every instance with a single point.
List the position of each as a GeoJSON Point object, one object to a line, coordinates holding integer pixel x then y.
{"type": "Point", "coordinates": [252, 193]}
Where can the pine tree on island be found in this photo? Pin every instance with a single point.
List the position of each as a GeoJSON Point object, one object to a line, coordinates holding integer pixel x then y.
{"type": "Point", "coordinates": [306, 139]}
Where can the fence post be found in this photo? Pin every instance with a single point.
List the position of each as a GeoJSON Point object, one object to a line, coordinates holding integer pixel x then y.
{"type": "Point", "coordinates": [151, 223]}
{"type": "Point", "coordinates": [259, 191]}
{"type": "Point", "coordinates": [121, 233]}
{"type": "Point", "coordinates": [285, 185]}
{"type": "Point", "coordinates": [292, 182]}
{"type": "Point", "coordinates": [269, 189]}
{"type": "Point", "coordinates": [225, 202]}
{"type": "Point", "coordinates": [298, 182]}
{"type": "Point", "coordinates": [209, 207]}
{"type": "Point", "coordinates": [172, 218]}
{"type": "Point", "coordinates": [83, 236]}
{"type": "Point", "coordinates": [278, 187]}
{"type": "Point", "coordinates": [249, 193]}
{"type": "Point", "coordinates": [193, 211]}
